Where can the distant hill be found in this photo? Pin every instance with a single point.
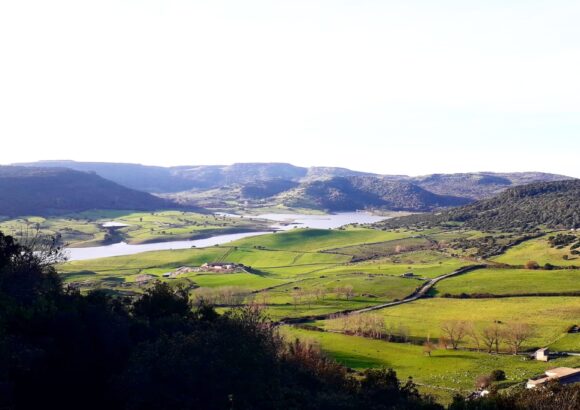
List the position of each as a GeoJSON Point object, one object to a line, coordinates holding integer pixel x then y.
{"type": "Point", "coordinates": [352, 193]}
{"type": "Point", "coordinates": [140, 177]}
{"type": "Point", "coordinates": [554, 205]}
{"type": "Point", "coordinates": [49, 191]}
{"type": "Point", "coordinates": [205, 177]}
{"type": "Point", "coordinates": [479, 185]}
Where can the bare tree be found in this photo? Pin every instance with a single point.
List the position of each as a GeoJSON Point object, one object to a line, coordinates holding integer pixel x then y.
{"type": "Point", "coordinates": [472, 332]}
{"type": "Point", "coordinates": [516, 334]}
{"type": "Point", "coordinates": [296, 297]}
{"type": "Point", "coordinates": [429, 347]}
{"type": "Point", "coordinates": [455, 331]}
{"type": "Point", "coordinates": [492, 336]}
{"type": "Point", "coordinates": [348, 291]}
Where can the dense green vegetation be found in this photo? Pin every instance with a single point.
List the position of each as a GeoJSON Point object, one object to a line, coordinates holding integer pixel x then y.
{"type": "Point", "coordinates": [552, 205]}
{"type": "Point", "coordinates": [50, 191]}
{"type": "Point", "coordinates": [352, 193]}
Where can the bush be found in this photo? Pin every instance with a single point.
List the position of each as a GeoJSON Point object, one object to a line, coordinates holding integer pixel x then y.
{"type": "Point", "coordinates": [497, 375]}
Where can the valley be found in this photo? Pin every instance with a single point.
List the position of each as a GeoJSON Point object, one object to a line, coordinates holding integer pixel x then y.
{"type": "Point", "coordinates": [429, 284]}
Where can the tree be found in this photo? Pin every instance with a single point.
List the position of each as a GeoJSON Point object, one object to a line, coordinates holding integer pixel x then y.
{"type": "Point", "coordinates": [429, 347]}
{"type": "Point", "coordinates": [516, 334]}
{"type": "Point", "coordinates": [492, 336]}
{"type": "Point", "coordinates": [455, 331]}
{"type": "Point", "coordinates": [473, 333]}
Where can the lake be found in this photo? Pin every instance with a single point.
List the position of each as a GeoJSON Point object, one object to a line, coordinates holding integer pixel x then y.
{"type": "Point", "coordinates": [282, 222]}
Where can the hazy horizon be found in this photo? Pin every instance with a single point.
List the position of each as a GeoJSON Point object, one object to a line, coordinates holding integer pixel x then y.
{"type": "Point", "coordinates": [388, 87]}
{"type": "Point", "coordinates": [289, 163]}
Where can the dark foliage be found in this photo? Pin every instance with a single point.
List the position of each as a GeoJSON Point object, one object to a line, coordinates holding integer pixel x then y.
{"type": "Point", "coordinates": [48, 191]}
{"type": "Point", "coordinates": [265, 189]}
{"type": "Point", "coordinates": [551, 397]}
{"type": "Point", "coordinates": [363, 192]}
{"type": "Point", "coordinates": [62, 350]}
{"type": "Point", "coordinates": [552, 205]}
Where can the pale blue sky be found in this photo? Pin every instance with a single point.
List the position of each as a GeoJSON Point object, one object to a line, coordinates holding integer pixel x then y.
{"type": "Point", "coordinates": [405, 87]}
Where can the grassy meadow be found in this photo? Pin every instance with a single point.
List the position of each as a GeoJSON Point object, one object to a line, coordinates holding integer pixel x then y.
{"type": "Point", "coordinates": [85, 228]}
{"type": "Point", "coordinates": [307, 272]}
{"type": "Point", "coordinates": [511, 282]}
{"type": "Point", "coordinates": [448, 371]}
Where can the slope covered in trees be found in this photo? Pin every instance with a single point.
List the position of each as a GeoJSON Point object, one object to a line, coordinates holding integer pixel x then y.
{"type": "Point", "coordinates": [554, 205]}
{"type": "Point", "coordinates": [49, 191]}
{"type": "Point", "coordinates": [352, 193]}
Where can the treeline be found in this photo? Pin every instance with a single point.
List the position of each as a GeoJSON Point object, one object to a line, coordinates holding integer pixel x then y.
{"type": "Point", "coordinates": [527, 208]}
{"type": "Point", "coordinates": [60, 349]}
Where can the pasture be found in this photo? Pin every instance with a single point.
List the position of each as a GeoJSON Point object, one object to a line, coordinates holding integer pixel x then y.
{"type": "Point", "coordinates": [538, 250]}
{"type": "Point", "coordinates": [511, 282]}
{"type": "Point", "coordinates": [450, 369]}
{"type": "Point", "coordinates": [550, 317]}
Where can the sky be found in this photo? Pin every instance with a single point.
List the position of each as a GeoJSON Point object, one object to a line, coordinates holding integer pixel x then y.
{"type": "Point", "coordinates": [396, 87]}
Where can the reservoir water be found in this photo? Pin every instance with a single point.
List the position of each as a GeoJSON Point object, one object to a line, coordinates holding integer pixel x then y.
{"type": "Point", "coordinates": [281, 222]}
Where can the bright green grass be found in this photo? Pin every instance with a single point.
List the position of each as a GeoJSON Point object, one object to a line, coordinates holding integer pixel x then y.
{"type": "Point", "coordinates": [538, 250]}
{"type": "Point", "coordinates": [511, 281]}
{"type": "Point", "coordinates": [568, 343]}
{"type": "Point", "coordinates": [549, 316]}
{"type": "Point", "coordinates": [165, 260]}
{"type": "Point", "coordinates": [446, 368]}
{"type": "Point", "coordinates": [428, 264]}
{"type": "Point", "coordinates": [242, 280]}
{"type": "Point", "coordinates": [84, 229]}
{"type": "Point", "coordinates": [366, 288]}
{"type": "Point", "coordinates": [320, 239]}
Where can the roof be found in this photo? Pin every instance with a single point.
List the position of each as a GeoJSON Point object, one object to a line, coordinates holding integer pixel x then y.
{"type": "Point", "coordinates": [552, 374]}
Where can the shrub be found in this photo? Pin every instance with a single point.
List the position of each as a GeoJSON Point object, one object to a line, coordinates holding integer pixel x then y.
{"type": "Point", "coordinates": [497, 375]}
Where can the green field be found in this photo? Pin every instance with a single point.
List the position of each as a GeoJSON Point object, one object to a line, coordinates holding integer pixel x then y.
{"type": "Point", "coordinates": [320, 239]}
{"type": "Point", "coordinates": [538, 250]}
{"type": "Point", "coordinates": [550, 317]}
{"type": "Point", "coordinates": [511, 281]}
{"type": "Point", "coordinates": [306, 272]}
{"type": "Point", "coordinates": [84, 229]}
{"type": "Point", "coordinates": [445, 368]}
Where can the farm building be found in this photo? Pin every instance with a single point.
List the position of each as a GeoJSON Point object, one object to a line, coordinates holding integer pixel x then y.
{"type": "Point", "coordinates": [564, 375]}
{"type": "Point", "coordinates": [224, 267]}
{"type": "Point", "coordinates": [542, 355]}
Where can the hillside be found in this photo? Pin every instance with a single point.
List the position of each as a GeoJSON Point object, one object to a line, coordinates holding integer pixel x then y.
{"type": "Point", "coordinates": [479, 185]}
{"type": "Point", "coordinates": [352, 193]}
{"type": "Point", "coordinates": [155, 179]}
{"type": "Point", "coordinates": [48, 191]}
{"type": "Point", "coordinates": [554, 205]}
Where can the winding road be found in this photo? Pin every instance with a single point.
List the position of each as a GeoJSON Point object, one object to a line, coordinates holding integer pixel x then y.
{"type": "Point", "coordinates": [417, 294]}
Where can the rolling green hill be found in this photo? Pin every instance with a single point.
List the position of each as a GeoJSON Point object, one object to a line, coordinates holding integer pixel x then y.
{"type": "Point", "coordinates": [553, 205]}
{"type": "Point", "coordinates": [50, 191]}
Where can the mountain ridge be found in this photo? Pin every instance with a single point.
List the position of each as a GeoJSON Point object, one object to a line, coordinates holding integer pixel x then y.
{"type": "Point", "coordinates": [52, 191]}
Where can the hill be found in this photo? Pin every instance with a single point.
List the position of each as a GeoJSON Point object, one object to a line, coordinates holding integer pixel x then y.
{"type": "Point", "coordinates": [352, 193]}
{"type": "Point", "coordinates": [155, 179]}
{"type": "Point", "coordinates": [479, 185]}
{"type": "Point", "coordinates": [553, 205]}
{"type": "Point", "coordinates": [49, 191]}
